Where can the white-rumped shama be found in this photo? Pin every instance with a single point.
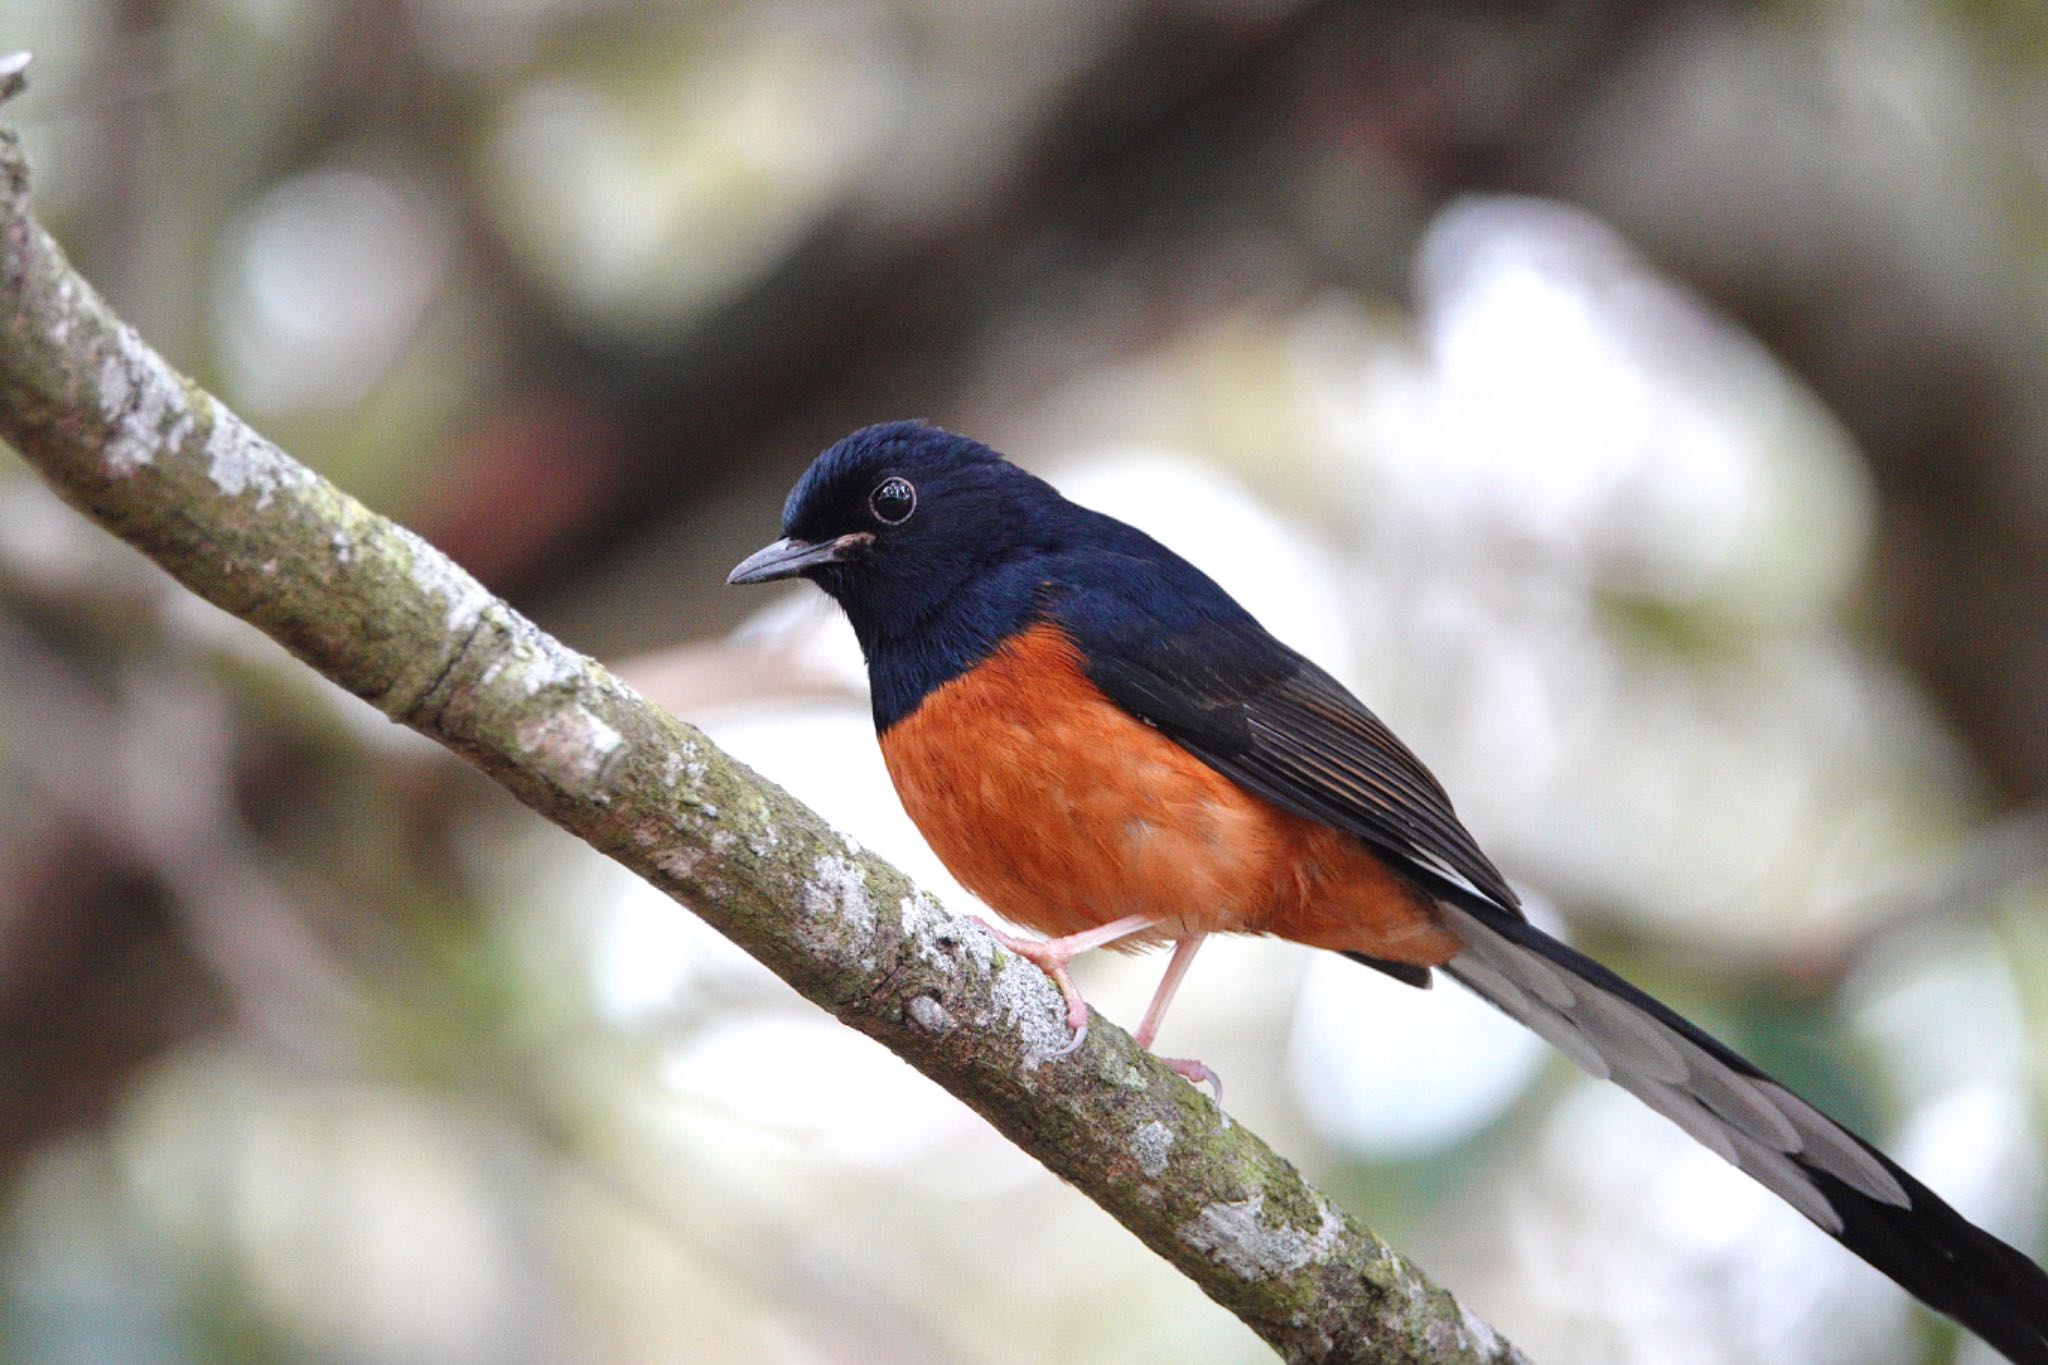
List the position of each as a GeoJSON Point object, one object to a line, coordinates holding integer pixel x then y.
{"type": "Point", "coordinates": [1106, 748]}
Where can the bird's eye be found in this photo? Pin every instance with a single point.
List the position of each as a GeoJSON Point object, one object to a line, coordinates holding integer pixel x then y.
{"type": "Point", "coordinates": [893, 500]}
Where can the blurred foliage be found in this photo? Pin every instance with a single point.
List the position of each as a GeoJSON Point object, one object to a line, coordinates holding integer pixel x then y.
{"type": "Point", "coordinates": [1640, 403]}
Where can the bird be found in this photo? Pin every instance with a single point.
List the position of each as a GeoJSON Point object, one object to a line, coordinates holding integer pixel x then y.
{"type": "Point", "coordinates": [1108, 750]}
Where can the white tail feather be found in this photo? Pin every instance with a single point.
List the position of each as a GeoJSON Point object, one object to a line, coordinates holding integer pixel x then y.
{"type": "Point", "coordinates": [1758, 1125]}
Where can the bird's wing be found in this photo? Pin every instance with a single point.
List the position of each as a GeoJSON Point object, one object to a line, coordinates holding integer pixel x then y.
{"type": "Point", "coordinates": [1270, 720]}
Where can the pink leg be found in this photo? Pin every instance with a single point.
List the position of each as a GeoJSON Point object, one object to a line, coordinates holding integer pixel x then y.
{"type": "Point", "coordinates": [1155, 1013]}
{"type": "Point", "coordinates": [1053, 954]}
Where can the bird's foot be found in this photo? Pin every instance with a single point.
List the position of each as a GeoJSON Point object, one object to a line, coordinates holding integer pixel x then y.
{"type": "Point", "coordinates": [1051, 956]}
{"type": "Point", "coordinates": [1199, 1073]}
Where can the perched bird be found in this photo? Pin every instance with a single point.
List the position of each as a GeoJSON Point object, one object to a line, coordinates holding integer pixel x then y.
{"type": "Point", "coordinates": [1105, 747]}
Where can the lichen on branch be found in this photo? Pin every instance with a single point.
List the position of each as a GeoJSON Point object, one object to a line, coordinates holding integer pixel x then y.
{"type": "Point", "coordinates": [159, 462]}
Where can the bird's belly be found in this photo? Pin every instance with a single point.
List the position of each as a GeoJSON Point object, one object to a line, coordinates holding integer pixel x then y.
{"type": "Point", "coordinates": [1063, 812]}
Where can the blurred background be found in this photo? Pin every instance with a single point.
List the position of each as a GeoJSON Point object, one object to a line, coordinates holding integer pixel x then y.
{"type": "Point", "coordinates": [1643, 404]}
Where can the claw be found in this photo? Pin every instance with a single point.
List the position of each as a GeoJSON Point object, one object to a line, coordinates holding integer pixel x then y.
{"type": "Point", "coordinates": [1077, 1008]}
{"type": "Point", "coordinates": [1073, 1044]}
{"type": "Point", "coordinates": [1051, 957]}
{"type": "Point", "coordinates": [1198, 1073]}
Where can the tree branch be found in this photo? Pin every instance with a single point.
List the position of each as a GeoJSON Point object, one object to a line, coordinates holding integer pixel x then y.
{"type": "Point", "coordinates": [372, 607]}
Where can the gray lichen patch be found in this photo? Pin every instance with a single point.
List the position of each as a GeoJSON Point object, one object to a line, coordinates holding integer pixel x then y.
{"type": "Point", "coordinates": [1235, 1235]}
{"type": "Point", "coordinates": [684, 765]}
{"type": "Point", "coordinates": [64, 307]}
{"type": "Point", "coordinates": [931, 1016]}
{"type": "Point", "coordinates": [573, 748]}
{"type": "Point", "coordinates": [1151, 1145]}
{"type": "Point", "coordinates": [530, 661]}
{"type": "Point", "coordinates": [1031, 1005]}
{"type": "Point", "coordinates": [550, 664]}
{"type": "Point", "coordinates": [939, 940]}
{"type": "Point", "coordinates": [143, 403]}
{"type": "Point", "coordinates": [837, 889]}
{"type": "Point", "coordinates": [1473, 1336]}
{"type": "Point", "coordinates": [435, 573]}
{"type": "Point", "coordinates": [238, 461]}
{"type": "Point", "coordinates": [762, 838]}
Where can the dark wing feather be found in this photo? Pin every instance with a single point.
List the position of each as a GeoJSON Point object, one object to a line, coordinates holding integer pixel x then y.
{"type": "Point", "coordinates": [1270, 720]}
{"type": "Point", "coordinates": [1310, 735]}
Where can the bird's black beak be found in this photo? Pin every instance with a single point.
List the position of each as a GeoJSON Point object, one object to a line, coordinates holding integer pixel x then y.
{"type": "Point", "coordinates": [787, 558]}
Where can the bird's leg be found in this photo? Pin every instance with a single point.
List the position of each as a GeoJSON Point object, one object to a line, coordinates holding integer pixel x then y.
{"type": "Point", "coordinates": [1155, 1013]}
{"type": "Point", "coordinates": [1053, 954]}
{"type": "Point", "coordinates": [1148, 1027]}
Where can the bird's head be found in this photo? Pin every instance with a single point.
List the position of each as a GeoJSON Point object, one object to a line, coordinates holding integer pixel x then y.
{"type": "Point", "coordinates": [897, 520]}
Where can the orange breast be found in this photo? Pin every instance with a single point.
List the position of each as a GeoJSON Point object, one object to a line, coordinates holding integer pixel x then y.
{"type": "Point", "coordinates": [1063, 812]}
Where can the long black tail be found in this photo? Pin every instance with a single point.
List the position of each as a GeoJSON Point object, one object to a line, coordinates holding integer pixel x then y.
{"type": "Point", "coordinates": [1850, 1189]}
